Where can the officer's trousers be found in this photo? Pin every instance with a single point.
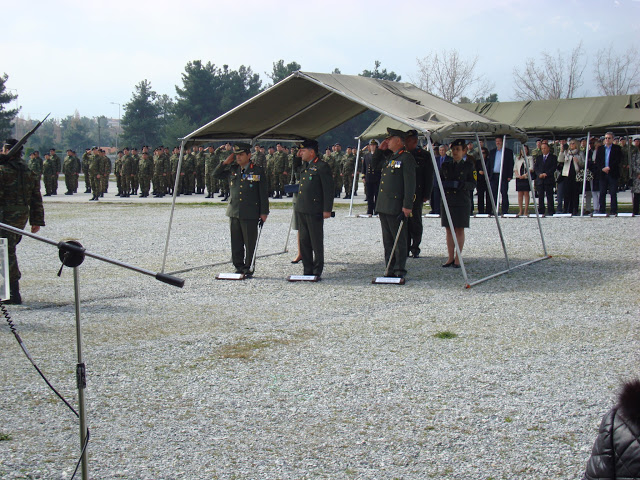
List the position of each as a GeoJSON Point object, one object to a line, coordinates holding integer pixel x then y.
{"type": "Point", "coordinates": [244, 234]}
{"type": "Point", "coordinates": [311, 232]}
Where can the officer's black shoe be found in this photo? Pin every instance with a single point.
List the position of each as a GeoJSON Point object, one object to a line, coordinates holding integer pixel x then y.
{"type": "Point", "coordinates": [221, 195]}
{"type": "Point", "coordinates": [68, 193]}
{"type": "Point", "coordinates": [102, 194]}
{"type": "Point", "coordinates": [226, 197]}
{"type": "Point", "coordinates": [347, 196]}
{"type": "Point", "coordinates": [88, 190]}
{"type": "Point", "coordinates": [188, 193]}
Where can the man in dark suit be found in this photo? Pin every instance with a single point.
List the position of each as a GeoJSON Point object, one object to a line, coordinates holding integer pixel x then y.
{"type": "Point", "coordinates": [371, 175]}
{"type": "Point", "coordinates": [424, 185]}
{"type": "Point", "coordinates": [495, 165]}
{"type": "Point", "coordinates": [608, 161]}
{"type": "Point", "coordinates": [436, 196]}
{"type": "Point", "coordinates": [544, 166]}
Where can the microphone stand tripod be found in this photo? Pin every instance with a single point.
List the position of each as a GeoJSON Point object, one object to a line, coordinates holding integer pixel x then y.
{"type": "Point", "coordinates": [72, 254]}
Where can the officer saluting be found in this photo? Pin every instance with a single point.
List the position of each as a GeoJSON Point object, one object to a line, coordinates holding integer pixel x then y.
{"type": "Point", "coordinates": [249, 203]}
{"type": "Point", "coordinates": [395, 198]}
{"type": "Point", "coordinates": [314, 204]}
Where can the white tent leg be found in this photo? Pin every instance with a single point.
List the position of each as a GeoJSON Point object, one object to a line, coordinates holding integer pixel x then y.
{"type": "Point", "coordinates": [446, 208]}
{"type": "Point", "coordinates": [584, 180]}
{"type": "Point", "coordinates": [493, 202]}
{"type": "Point", "coordinates": [355, 179]}
{"type": "Point", "coordinates": [173, 204]}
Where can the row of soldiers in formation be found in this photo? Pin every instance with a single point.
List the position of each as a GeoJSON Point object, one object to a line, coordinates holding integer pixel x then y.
{"type": "Point", "coordinates": [156, 174]}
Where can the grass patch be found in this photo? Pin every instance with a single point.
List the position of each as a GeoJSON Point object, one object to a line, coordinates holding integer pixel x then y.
{"type": "Point", "coordinates": [447, 334]}
{"type": "Point", "coordinates": [508, 419]}
{"type": "Point", "coordinates": [4, 437]}
{"type": "Point", "coordinates": [248, 349]}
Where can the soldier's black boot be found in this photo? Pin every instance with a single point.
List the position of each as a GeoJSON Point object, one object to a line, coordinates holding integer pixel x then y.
{"type": "Point", "coordinates": [15, 298]}
{"type": "Point", "coordinates": [88, 190]}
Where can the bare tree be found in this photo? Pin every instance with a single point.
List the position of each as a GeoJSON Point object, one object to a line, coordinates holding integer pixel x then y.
{"type": "Point", "coordinates": [553, 77]}
{"type": "Point", "coordinates": [618, 74]}
{"type": "Point", "coordinates": [450, 77]}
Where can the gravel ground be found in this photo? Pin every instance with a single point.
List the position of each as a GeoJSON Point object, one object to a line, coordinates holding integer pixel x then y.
{"type": "Point", "coordinates": [266, 379]}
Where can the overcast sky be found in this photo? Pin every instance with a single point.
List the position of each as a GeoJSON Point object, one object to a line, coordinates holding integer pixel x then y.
{"type": "Point", "coordinates": [70, 54]}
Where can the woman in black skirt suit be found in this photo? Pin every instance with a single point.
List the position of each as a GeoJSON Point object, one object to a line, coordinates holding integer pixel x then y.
{"type": "Point", "coordinates": [458, 179]}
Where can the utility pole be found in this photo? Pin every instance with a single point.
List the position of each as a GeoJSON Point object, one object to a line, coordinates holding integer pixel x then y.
{"type": "Point", "coordinates": [118, 129]}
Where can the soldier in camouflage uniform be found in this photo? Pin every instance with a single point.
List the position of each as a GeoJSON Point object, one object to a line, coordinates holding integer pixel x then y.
{"type": "Point", "coordinates": [58, 167]}
{"type": "Point", "coordinates": [35, 164]}
{"type": "Point", "coordinates": [280, 174]}
{"type": "Point", "coordinates": [20, 200]}
{"type": "Point", "coordinates": [200, 185]}
{"type": "Point", "coordinates": [117, 170]}
{"type": "Point", "coordinates": [106, 171]}
{"type": "Point", "coordinates": [136, 168]}
{"type": "Point", "coordinates": [70, 170]}
{"type": "Point", "coordinates": [86, 159]}
{"type": "Point", "coordinates": [223, 153]}
{"type": "Point", "coordinates": [145, 172]}
{"type": "Point", "coordinates": [175, 158]}
{"type": "Point", "coordinates": [348, 168]}
{"type": "Point", "coordinates": [209, 167]}
{"type": "Point", "coordinates": [126, 173]}
{"type": "Point", "coordinates": [338, 161]}
{"type": "Point", "coordinates": [161, 170]}
{"type": "Point", "coordinates": [536, 152]}
{"type": "Point", "coordinates": [189, 170]}
{"type": "Point", "coordinates": [48, 175]}
{"type": "Point", "coordinates": [95, 174]}
{"type": "Point", "coordinates": [269, 169]}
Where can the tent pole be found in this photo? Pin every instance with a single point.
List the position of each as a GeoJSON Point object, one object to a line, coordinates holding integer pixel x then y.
{"type": "Point", "coordinates": [173, 203]}
{"type": "Point", "coordinates": [493, 202]}
{"type": "Point", "coordinates": [535, 205]}
{"type": "Point", "coordinates": [446, 208]}
{"type": "Point", "coordinates": [286, 243]}
{"type": "Point", "coordinates": [355, 179]}
{"type": "Point", "coordinates": [584, 180]}
{"type": "Point", "coordinates": [500, 199]}
{"type": "Point", "coordinates": [473, 284]}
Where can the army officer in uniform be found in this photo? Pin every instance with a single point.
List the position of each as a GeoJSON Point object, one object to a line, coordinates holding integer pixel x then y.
{"type": "Point", "coordinates": [395, 197]}
{"type": "Point", "coordinates": [314, 204]}
{"type": "Point", "coordinates": [458, 179]}
{"type": "Point", "coordinates": [249, 204]}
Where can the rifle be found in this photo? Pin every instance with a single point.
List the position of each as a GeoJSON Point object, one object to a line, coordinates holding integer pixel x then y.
{"type": "Point", "coordinates": [16, 148]}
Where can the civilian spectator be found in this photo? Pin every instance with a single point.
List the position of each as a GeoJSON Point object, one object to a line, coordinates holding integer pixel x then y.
{"type": "Point", "coordinates": [608, 161]}
{"type": "Point", "coordinates": [497, 164]}
{"type": "Point", "coordinates": [544, 167]}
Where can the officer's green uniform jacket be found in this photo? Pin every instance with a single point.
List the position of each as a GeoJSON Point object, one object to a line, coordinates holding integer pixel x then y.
{"type": "Point", "coordinates": [249, 191]}
{"type": "Point", "coordinates": [397, 182]}
{"type": "Point", "coordinates": [316, 188]}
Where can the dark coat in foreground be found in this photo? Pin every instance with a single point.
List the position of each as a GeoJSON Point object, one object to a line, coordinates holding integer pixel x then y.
{"type": "Point", "coordinates": [616, 451]}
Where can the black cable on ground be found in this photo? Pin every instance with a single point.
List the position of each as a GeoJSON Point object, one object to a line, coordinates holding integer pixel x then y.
{"type": "Point", "coordinates": [14, 330]}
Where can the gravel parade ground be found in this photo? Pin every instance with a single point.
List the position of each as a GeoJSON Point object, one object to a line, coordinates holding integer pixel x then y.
{"type": "Point", "coordinates": [341, 379]}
